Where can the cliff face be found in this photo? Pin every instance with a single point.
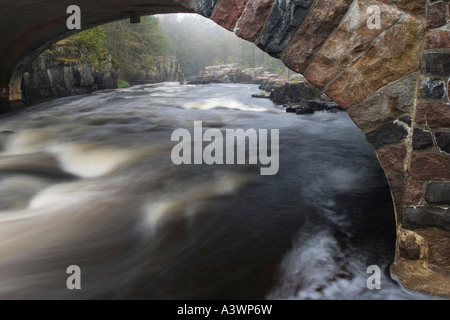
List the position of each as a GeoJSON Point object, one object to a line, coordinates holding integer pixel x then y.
{"type": "Point", "coordinates": [68, 69]}
{"type": "Point", "coordinates": [160, 69]}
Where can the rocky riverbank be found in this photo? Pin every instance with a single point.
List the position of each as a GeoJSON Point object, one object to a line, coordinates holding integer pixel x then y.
{"type": "Point", "coordinates": [161, 69]}
{"type": "Point", "coordinates": [68, 69]}
{"type": "Point", "coordinates": [230, 73]}
{"type": "Point", "coordinates": [296, 94]}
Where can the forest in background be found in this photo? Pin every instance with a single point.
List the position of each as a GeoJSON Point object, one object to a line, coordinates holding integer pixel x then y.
{"type": "Point", "coordinates": [196, 42]}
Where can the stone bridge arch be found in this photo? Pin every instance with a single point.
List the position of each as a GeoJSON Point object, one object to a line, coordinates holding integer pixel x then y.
{"type": "Point", "coordinates": [393, 81]}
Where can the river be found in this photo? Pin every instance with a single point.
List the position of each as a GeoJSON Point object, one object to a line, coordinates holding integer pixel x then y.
{"type": "Point", "coordinates": [89, 181]}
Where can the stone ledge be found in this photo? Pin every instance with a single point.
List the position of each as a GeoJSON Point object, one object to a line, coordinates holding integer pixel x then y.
{"type": "Point", "coordinates": [414, 276]}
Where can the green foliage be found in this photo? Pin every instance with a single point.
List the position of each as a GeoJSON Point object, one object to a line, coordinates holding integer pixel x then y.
{"type": "Point", "coordinates": [123, 84]}
{"type": "Point", "coordinates": [93, 40]}
{"type": "Point", "coordinates": [196, 42]}
{"type": "Point", "coordinates": [135, 45]}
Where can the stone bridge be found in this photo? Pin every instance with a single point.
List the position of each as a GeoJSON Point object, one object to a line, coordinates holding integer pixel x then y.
{"type": "Point", "coordinates": [392, 79]}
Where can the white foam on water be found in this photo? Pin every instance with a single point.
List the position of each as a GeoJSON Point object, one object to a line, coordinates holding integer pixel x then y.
{"type": "Point", "coordinates": [29, 141]}
{"type": "Point", "coordinates": [83, 222]}
{"type": "Point", "coordinates": [217, 103]}
{"type": "Point", "coordinates": [90, 160]}
{"type": "Point", "coordinates": [181, 203]}
{"type": "Point", "coordinates": [17, 191]}
{"type": "Point", "coordinates": [319, 269]}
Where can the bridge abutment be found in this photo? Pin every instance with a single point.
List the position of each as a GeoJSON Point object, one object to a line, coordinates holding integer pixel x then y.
{"type": "Point", "coordinates": [394, 83]}
{"type": "Point", "coordinates": [11, 91]}
{"type": "Point", "coordinates": [393, 80]}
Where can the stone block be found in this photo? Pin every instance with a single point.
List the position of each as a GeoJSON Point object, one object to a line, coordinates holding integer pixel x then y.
{"type": "Point", "coordinates": [433, 115]}
{"type": "Point", "coordinates": [422, 140]}
{"type": "Point", "coordinates": [432, 88]}
{"type": "Point", "coordinates": [283, 22]}
{"type": "Point", "coordinates": [348, 42]}
{"type": "Point", "coordinates": [437, 15]}
{"type": "Point", "coordinates": [437, 63]}
{"type": "Point", "coordinates": [430, 166]}
{"type": "Point", "coordinates": [412, 246]}
{"type": "Point", "coordinates": [205, 7]}
{"type": "Point", "coordinates": [321, 21]}
{"type": "Point", "coordinates": [426, 217]}
{"type": "Point", "coordinates": [437, 39]}
{"type": "Point", "coordinates": [392, 158]}
{"type": "Point", "coordinates": [251, 23]}
{"type": "Point", "coordinates": [438, 193]}
{"type": "Point", "coordinates": [392, 102]}
{"type": "Point", "coordinates": [443, 141]}
{"type": "Point", "coordinates": [416, 7]}
{"type": "Point", "coordinates": [228, 12]}
{"type": "Point", "coordinates": [390, 58]}
{"type": "Point", "coordinates": [387, 134]}
{"type": "Point", "coordinates": [414, 192]}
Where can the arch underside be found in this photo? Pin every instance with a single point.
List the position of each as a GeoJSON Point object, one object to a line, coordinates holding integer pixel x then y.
{"type": "Point", "coordinates": [385, 77]}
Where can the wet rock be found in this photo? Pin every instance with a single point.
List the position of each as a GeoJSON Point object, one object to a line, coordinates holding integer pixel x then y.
{"type": "Point", "coordinates": [292, 92]}
{"type": "Point", "coordinates": [305, 110]}
{"type": "Point", "coordinates": [293, 109]}
{"type": "Point", "coordinates": [261, 95]}
{"type": "Point", "coordinates": [310, 107]}
{"type": "Point", "coordinates": [268, 81]}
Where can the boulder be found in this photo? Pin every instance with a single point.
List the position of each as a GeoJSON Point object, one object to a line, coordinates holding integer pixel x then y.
{"type": "Point", "coordinates": [230, 73]}
{"type": "Point", "coordinates": [312, 106]}
{"type": "Point", "coordinates": [292, 92]}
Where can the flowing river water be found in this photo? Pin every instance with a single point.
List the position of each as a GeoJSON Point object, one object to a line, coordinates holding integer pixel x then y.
{"type": "Point", "coordinates": [89, 181]}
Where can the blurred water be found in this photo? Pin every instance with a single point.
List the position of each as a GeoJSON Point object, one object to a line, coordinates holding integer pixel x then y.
{"type": "Point", "coordinates": [89, 181]}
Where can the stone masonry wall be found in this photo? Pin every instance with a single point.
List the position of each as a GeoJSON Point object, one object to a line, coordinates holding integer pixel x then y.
{"type": "Point", "coordinates": [394, 82]}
